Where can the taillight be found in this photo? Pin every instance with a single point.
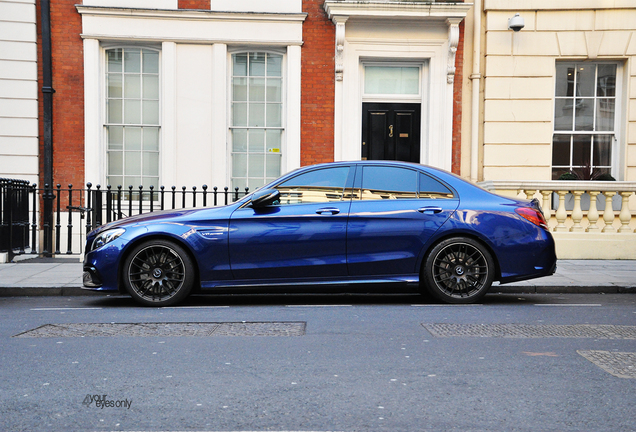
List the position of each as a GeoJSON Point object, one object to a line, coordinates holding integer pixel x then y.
{"type": "Point", "coordinates": [534, 216]}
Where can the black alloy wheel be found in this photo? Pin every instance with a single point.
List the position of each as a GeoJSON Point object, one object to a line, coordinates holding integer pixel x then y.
{"type": "Point", "coordinates": [158, 273]}
{"type": "Point", "coordinates": [458, 270]}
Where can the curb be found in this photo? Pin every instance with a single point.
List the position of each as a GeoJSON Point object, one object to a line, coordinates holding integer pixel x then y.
{"type": "Point", "coordinates": [539, 289]}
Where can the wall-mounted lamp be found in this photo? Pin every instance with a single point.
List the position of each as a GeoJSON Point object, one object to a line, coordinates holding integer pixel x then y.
{"type": "Point", "coordinates": [516, 23]}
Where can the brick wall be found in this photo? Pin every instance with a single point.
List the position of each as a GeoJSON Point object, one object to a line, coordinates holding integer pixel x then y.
{"type": "Point", "coordinates": [457, 104]}
{"type": "Point", "coordinates": [68, 99]}
{"type": "Point", "coordinates": [194, 4]}
{"type": "Point", "coordinates": [318, 86]}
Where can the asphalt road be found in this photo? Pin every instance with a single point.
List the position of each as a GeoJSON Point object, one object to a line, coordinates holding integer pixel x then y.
{"type": "Point", "coordinates": [319, 363]}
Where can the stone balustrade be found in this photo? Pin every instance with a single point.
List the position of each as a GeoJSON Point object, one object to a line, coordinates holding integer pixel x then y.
{"type": "Point", "coordinates": [589, 219]}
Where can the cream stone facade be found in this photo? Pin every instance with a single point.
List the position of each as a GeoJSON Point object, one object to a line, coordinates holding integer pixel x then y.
{"type": "Point", "coordinates": [521, 107]}
{"type": "Point", "coordinates": [519, 81]}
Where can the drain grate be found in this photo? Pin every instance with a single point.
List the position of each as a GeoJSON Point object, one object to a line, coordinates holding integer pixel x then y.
{"type": "Point", "coordinates": [167, 329]}
{"type": "Point", "coordinates": [619, 364]}
{"type": "Point", "coordinates": [532, 331]}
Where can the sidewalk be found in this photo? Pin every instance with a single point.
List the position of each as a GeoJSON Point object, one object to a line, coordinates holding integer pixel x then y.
{"type": "Point", "coordinates": [63, 276]}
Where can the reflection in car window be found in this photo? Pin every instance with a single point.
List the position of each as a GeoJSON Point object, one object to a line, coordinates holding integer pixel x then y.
{"type": "Point", "coordinates": [432, 188]}
{"type": "Point", "coordinates": [384, 182]}
{"type": "Point", "coordinates": [323, 185]}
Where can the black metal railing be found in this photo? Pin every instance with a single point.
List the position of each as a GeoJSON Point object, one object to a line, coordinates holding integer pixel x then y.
{"type": "Point", "coordinates": [14, 216]}
{"type": "Point", "coordinates": [95, 205]}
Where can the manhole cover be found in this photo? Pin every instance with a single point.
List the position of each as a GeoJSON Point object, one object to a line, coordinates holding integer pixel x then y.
{"type": "Point", "coordinates": [532, 331]}
{"type": "Point", "coordinates": [619, 364]}
{"type": "Point", "coordinates": [167, 329]}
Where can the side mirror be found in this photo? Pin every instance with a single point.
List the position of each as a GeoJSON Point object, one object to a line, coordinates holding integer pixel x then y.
{"type": "Point", "coordinates": [264, 198]}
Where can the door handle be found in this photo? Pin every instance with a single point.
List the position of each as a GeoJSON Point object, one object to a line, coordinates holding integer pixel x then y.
{"type": "Point", "coordinates": [430, 209]}
{"type": "Point", "coordinates": [329, 210]}
{"type": "Point", "coordinates": [391, 131]}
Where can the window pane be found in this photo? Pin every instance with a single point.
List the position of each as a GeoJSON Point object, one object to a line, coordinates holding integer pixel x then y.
{"type": "Point", "coordinates": [115, 181]}
{"type": "Point", "coordinates": [257, 165]}
{"type": "Point", "coordinates": [151, 112]}
{"type": "Point", "coordinates": [561, 150]}
{"type": "Point", "coordinates": [257, 115]}
{"type": "Point", "coordinates": [563, 114]}
{"type": "Point", "coordinates": [239, 140]}
{"type": "Point", "coordinates": [132, 86]}
{"type": "Point", "coordinates": [132, 111]}
{"type": "Point", "coordinates": [564, 79]}
{"type": "Point", "coordinates": [257, 64]}
{"type": "Point", "coordinates": [239, 114]}
{"type": "Point", "coordinates": [606, 81]}
{"type": "Point", "coordinates": [584, 115]}
{"type": "Point", "coordinates": [581, 150]}
{"type": "Point", "coordinates": [239, 66]}
{"type": "Point", "coordinates": [151, 138]}
{"type": "Point", "coordinates": [239, 165]}
{"type": "Point", "coordinates": [114, 111]}
{"type": "Point", "coordinates": [323, 185]}
{"type": "Point", "coordinates": [329, 177]}
{"type": "Point", "coordinates": [114, 85]}
{"type": "Point", "coordinates": [132, 60]}
{"type": "Point", "coordinates": [273, 140]}
{"type": "Point", "coordinates": [133, 138]}
{"type": "Point", "coordinates": [274, 115]}
{"type": "Point", "coordinates": [274, 90]}
{"type": "Point", "coordinates": [602, 150]}
{"type": "Point", "coordinates": [239, 89]}
{"type": "Point", "coordinates": [391, 80]}
{"type": "Point", "coordinates": [114, 60]}
{"type": "Point", "coordinates": [132, 163]}
{"type": "Point", "coordinates": [388, 183]}
{"type": "Point", "coordinates": [115, 137]}
{"type": "Point", "coordinates": [257, 89]}
{"type": "Point", "coordinates": [585, 79]}
{"type": "Point", "coordinates": [605, 114]}
{"type": "Point", "coordinates": [274, 65]}
{"type": "Point", "coordinates": [151, 164]}
{"type": "Point", "coordinates": [432, 188]}
{"type": "Point", "coordinates": [151, 61]}
{"type": "Point", "coordinates": [272, 169]}
{"type": "Point", "coordinates": [257, 140]}
{"type": "Point", "coordinates": [115, 163]}
{"type": "Point", "coordinates": [151, 86]}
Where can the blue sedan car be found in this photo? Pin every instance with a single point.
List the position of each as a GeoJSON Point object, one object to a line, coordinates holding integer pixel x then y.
{"type": "Point", "coordinates": [331, 224]}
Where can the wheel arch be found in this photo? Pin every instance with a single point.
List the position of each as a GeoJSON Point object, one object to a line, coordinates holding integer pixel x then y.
{"type": "Point", "coordinates": [467, 234]}
{"type": "Point", "coordinates": [156, 236]}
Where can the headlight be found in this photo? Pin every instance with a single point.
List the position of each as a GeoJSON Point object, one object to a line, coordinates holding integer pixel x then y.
{"type": "Point", "coordinates": [106, 237]}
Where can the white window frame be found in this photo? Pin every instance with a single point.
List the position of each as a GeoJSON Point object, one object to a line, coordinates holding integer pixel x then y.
{"type": "Point", "coordinates": [105, 123]}
{"type": "Point", "coordinates": [284, 107]}
{"type": "Point", "coordinates": [616, 169]}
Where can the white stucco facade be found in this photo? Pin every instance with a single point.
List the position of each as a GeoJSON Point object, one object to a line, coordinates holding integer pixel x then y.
{"type": "Point", "coordinates": [18, 91]}
{"type": "Point", "coordinates": [196, 49]}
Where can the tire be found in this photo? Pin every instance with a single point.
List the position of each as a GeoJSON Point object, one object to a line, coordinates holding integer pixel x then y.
{"type": "Point", "coordinates": [158, 273]}
{"type": "Point", "coordinates": [458, 270]}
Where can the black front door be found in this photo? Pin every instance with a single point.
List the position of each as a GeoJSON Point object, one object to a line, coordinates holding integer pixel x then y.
{"type": "Point", "coordinates": [391, 131]}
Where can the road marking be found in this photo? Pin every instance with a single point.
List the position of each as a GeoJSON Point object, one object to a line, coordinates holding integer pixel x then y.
{"type": "Point", "coordinates": [446, 305]}
{"type": "Point", "coordinates": [571, 304]}
{"type": "Point", "coordinates": [305, 306]}
{"type": "Point", "coordinates": [536, 354]}
{"type": "Point", "coordinates": [64, 309]}
{"type": "Point", "coordinates": [194, 307]}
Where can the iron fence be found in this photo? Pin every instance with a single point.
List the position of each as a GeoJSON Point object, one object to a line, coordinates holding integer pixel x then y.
{"type": "Point", "coordinates": [76, 211]}
{"type": "Point", "coordinates": [14, 216]}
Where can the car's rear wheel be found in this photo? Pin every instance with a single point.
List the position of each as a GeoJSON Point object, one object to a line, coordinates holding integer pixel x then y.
{"type": "Point", "coordinates": [158, 273]}
{"type": "Point", "coordinates": [458, 270]}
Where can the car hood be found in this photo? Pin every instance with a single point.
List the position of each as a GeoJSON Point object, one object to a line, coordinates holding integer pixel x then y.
{"type": "Point", "coordinates": [157, 216]}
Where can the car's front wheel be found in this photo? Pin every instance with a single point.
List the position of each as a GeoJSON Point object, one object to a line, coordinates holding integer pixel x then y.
{"type": "Point", "coordinates": [458, 270]}
{"type": "Point", "coordinates": [158, 273]}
